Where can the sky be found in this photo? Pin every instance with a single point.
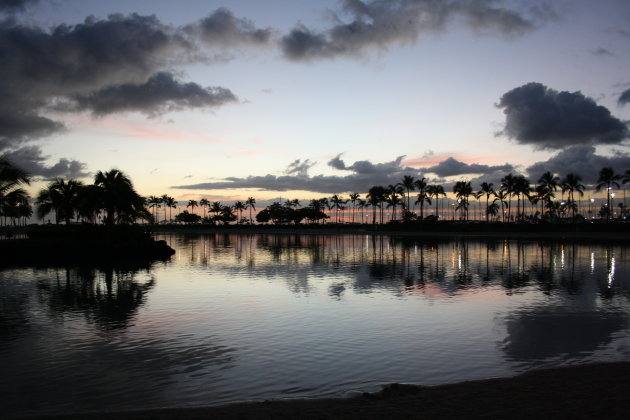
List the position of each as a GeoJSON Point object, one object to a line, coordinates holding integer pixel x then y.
{"type": "Point", "coordinates": [299, 99]}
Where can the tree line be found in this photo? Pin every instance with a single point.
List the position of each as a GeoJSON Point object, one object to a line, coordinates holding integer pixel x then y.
{"type": "Point", "coordinates": [112, 199]}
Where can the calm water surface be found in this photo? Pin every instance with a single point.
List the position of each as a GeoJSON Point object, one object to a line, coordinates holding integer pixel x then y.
{"type": "Point", "coordinates": [249, 317]}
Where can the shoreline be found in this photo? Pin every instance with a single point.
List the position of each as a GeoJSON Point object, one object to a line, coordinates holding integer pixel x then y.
{"type": "Point", "coordinates": [575, 392]}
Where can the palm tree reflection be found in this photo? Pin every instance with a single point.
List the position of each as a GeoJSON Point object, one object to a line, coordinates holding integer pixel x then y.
{"type": "Point", "coordinates": [107, 297]}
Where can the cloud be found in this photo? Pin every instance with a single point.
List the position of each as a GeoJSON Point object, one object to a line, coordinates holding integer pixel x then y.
{"type": "Point", "coordinates": [31, 160]}
{"type": "Point", "coordinates": [452, 167]}
{"type": "Point", "coordinates": [337, 163]}
{"type": "Point", "coordinates": [41, 66]}
{"type": "Point", "coordinates": [581, 160]}
{"type": "Point", "coordinates": [624, 98]}
{"type": "Point", "coordinates": [223, 29]}
{"type": "Point", "coordinates": [15, 5]}
{"type": "Point", "coordinates": [379, 24]}
{"type": "Point", "coordinates": [364, 174]}
{"type": "Point", "coordinates": [160, 93]}
{"type": "Point", "coordinates": [602, 52]}
{"type": "Point", "coordinates": [120, 63]}
{"type": "Point", "coordinates": [548, 119]}
{"type": "Point", "coordinates": [361, 176]}
{"type": "Point", "coordinates": [299, 168]}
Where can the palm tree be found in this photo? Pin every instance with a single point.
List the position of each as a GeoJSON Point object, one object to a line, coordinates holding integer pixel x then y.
{"type": "Point", "coordinates": [251, 204]}
{"type": "Point", "coordinates": [169, 203]}
{"type": "Point", "coordinates": [61, 197]}
{"type": "Point", "coordinates": [239, 206]}
{"type": "Point", "coordinates": [192, 204]}
{"type": "Point", "coordinates": [507, 185]}
{"type": "Point", "coordinates": [409, 183]}
{"type": "Point", "coordinates": [353, 199]}
{"type": "Point", "coordinates": [362, 204]}
{"type": "Point", "coordinates": [423, 197]}
{"type": "Point", "coordinates": [607, 178]}
{"type": "Point", "coordinates": [573, 183]}
{"type": "Point", "coordinates": [436, 191]}
{"type": "Point", "coordinates": [392, 197]}
{"type": "Point", "coordinates": [487, 190]}
{"type": "Point", "coordinates": [625, 178]}
{"type": "Point", "coordinates": [204, 203]}
{"type": "Point", "coordinates": [155, 203]}
{"type": "Point", "coordinates": [11, 180]}
{"type": "Point", "coordinates": [521, 187]}
{"type": "Point", "coordinates": [120, 200]}
{"type": "Point", "coordinates": [421, 186]}
{"type": "Point", "coordinates": [216, 208]}
{"type": "Point", "coordinates": [375, 197]}
{"type": "Point", "coordinates": [547, 185]}
{"type": "Point", "coordinates": [90, 203]}
{"type": "Point", "coordinates": [463, 190]}
{"type": "Point", "coordinates": [337, 204]}
{"type": "Point", "coordinates": [502, 197]}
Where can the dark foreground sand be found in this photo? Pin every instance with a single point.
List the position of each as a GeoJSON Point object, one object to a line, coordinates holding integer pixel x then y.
{"type": "Point", "coordinates": [599, 391]}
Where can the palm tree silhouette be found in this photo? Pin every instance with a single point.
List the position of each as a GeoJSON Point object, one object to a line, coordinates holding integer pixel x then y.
{"type": "Point", "coordinates": [155, 203]}
{"type": "Point", "coordinates": [11, 192]}
{"type": "Point", "coordinates": [375, 197]}
{"type": "Point", "coordinates": [192, 204]}
{"type": "Point", "coordinates": [547, 185]}
{"type": "Point", "coordinates": [507, 185]}
{"type": "Point", "coordinates": [120, 200]}
{"type": "Point", "coordinates": [60, 196]}
{"type": "Point", "coordinates": [204, 203]}
{"type": "Point", "coordinates": [487, 190]}
{"type": "Point", "coordinates": [502, 197]}
{"type": "Point", "coordinates": [251, 204]}
{"type": "Point", "coordinates": [421, 186]}
{"type": "Point", "coordinates": [408, 183]}
{"type": "Point", "coordinates": [607, 178]}
{"type": "Point", "coordinates": [353, 199]}
{"type": "Point", "coordinates": [625, 178]}
{"type": "Point", "coordinates": [463, 190]}
{"type": "Point", "coordinates": [436, 191]}
{"type": "Point", "coordinates": [521, 187]}
{"type": "Point", "coordinates": [239, 206]}
{"type": "Point", "coordinates": [337, 204]}
{"type": "Point", "coordinates": [573, 183]}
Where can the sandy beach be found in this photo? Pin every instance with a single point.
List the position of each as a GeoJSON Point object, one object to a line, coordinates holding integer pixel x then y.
{"type": "Point", "coordinates": [598, 391]}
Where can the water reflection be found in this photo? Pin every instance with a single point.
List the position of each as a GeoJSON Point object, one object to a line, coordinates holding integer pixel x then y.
{"type": "Point", "coordinates": [405, 265]}
{"type": "Point", "coordinates": [108, 298]}
{"type": "Point", "coordinates": [239, 317]}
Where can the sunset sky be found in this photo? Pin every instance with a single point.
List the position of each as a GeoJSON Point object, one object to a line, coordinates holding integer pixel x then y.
{"type": "Point", "coordinates": [301, 99]}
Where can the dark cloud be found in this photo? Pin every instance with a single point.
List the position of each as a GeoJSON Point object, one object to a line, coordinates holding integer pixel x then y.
{"type": "Point", "coordinates": [548, 119]}
{"type": "Point", "coordinates": [337, 163]}
{"type": "Point", "coordinates": [624, 98]}
{"type": "Point", "coordinates": [223, 29]}
{"type": "Point", "coordinates": [161, 93]}
{"type": "Point", "coordinates": [299, 167]}
{"type": "Point", "coordinates": [41, 66]}
{"type": "Point", "coordinates": [32, 160]}
{"type": "Point", "coordinates": [15, 5]}
{"type": "Point", "coordinates": [380, 23]}
{"type": "Point", "coordinates": [364, 175]}
{"type": "Point", "coordinates": [452, 167]}
{"type": "Point", "coordinates": [361, 176]}
{"type": "Point", "coordinates": [581, 160]}
{"type": "Point", "coordinates": [19, 125]}
{"type": "Point", "coordinates": [602, 52]}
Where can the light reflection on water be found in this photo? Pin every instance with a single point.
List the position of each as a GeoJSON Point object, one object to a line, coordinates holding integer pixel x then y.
{"type": "Point", "coordinates": [240, 317]}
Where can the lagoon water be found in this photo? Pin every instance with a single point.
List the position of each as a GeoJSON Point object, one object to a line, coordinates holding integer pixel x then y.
{"type": "Point", "coordinates": [235, 317]}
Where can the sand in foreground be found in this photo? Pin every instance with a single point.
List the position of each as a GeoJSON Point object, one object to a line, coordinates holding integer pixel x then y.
{"type": "Point", "coordinates": [599, 391]}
